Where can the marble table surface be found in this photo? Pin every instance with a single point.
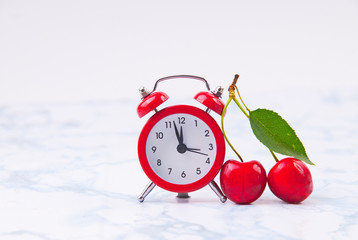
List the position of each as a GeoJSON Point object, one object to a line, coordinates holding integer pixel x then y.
{"type": "Point", "coordinates": [69, 170]}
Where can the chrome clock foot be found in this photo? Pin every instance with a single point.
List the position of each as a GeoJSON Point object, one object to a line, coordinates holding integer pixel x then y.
{"type": "Point", "coordinates": [217, 191]}
{"type": "Point", "coordinates": [146, 191]}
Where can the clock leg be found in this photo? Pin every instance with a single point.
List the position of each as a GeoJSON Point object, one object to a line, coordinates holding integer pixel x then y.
{"type": "Point", "coordinates": [217, 190]}
{"type": "Point", "coordinates": [146, 191]}
{"type": "Point", "coordinates": [183, 195]}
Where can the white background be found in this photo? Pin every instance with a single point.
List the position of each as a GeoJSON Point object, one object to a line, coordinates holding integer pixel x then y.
{"type": "Point", "coordinates": [69, 78]}
{"type": "Point", "coordinates": [61, 50]}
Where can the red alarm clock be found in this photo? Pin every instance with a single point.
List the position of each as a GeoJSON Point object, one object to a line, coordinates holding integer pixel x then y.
{"type": "Point", "coordinates": [181, 148]}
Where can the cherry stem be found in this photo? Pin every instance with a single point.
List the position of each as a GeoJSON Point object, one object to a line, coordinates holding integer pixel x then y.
{"type": "Point", "coordinates": [274, 156]}
{"type": "Point", "coordinates": [223, 130]}
{"type": "Point", "coordinates": [239, 105]}
{"type": "Point", "coordinates": [232, 96]}
{"type": "Point", "coordinates": [238, 93]}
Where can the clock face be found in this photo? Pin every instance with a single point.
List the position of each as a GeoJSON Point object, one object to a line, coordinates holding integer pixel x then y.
{"type": "Point", "coordinates": [181, 148]}
{"type": "Point", "coordinates": [185, 162]}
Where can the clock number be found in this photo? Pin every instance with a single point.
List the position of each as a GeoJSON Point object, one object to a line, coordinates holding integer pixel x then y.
{"type": "Point", "coordinates": [154, 148]}
{"type": "Point", "coordinates": [207, 161]}
{"type": "Point", "coordinates": [206, 133]}
{"type": "Point", "coordinates": [159, 135]}
{"type": "Point", "coordinates": [168, 124]}
{"type": "Point", "coordinates": [196, 123]}
{"type": "Point", "coordinates": [211, 147]}
{"type": "Point", "coordinates": [159, 162]}
{"type": "Point", "coordinates": [170, 170]}
{"type": "Point", "coordinates": [181, 120]}
{"type": "Point", "coordinates": [183, 174]}
{"type": "Point", "coordinates": [198, 171]}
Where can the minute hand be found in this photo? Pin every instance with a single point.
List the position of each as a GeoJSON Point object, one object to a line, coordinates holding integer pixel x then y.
{"type": "Point", "coordinates": [179, 136]}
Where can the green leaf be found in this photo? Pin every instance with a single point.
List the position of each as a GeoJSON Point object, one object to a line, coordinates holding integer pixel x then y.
{"type": "Point", "coordinates": [275, 133]}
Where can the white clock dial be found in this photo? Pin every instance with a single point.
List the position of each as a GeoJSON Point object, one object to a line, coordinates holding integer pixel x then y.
{"type": "Point", "coordinates": [181, 148]}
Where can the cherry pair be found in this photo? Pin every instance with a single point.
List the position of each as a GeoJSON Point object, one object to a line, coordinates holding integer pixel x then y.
{"type": "Point", "coordinates": [244, 182]}
{"type": "Point", "coordinates": [289, 179]}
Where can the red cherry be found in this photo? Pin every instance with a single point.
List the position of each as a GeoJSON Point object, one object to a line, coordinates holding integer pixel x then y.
{"type": "Point", "coordinates": [243, 182]}
{"type": "Point", "coordinates": [290, 180]}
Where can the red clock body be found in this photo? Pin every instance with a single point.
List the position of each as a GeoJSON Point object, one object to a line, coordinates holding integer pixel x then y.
{"type": "Point", "coordinates": [181, 148]}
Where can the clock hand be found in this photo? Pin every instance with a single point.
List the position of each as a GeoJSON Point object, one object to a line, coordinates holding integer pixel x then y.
{"type": "Point", "coordinates": [179, 137]}
{"type": "Point", "coordinates": [181, 148]}
{"type": "Point", "coordinates": [194, 151]}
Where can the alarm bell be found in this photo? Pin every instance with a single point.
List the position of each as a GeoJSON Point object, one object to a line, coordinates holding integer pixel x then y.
{"type": "Point", "coordinates": [211, 101]}
{"type": "Point", "coordinates": [150, 101]}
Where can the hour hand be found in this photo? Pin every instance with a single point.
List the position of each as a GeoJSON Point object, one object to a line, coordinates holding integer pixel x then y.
{"type": "Point", "coordinates": [195, 150]}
